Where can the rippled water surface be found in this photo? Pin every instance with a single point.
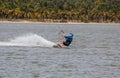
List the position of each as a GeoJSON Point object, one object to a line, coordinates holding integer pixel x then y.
{"type": "Point", "coordinates": [26, 51]}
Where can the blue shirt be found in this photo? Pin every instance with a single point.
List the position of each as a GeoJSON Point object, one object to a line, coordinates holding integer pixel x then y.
{"type": "Point", "coordinates": [69, 38]}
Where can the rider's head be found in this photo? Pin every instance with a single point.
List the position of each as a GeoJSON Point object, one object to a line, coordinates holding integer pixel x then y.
{"type": "Point", "coordinates": [71, 34]}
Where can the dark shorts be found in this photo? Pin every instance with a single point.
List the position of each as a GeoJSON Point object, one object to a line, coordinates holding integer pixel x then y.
{"type": "Point", "coordinates": [66, 43]}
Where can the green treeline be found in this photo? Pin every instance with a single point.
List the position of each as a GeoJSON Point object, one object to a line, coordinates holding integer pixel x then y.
{"type": "Point", "coordinates": [63, 10]}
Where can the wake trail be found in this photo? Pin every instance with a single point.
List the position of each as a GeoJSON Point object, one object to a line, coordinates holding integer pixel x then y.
{"type": "Point", "coordinates": [28, 40]}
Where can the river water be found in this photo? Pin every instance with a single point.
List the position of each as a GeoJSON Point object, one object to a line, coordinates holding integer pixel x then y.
{"type": "Point", "coordinates": [26, 51]}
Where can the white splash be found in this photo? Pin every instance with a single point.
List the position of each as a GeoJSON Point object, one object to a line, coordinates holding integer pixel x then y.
{"type": "Point", "coordinates": [28, 40]}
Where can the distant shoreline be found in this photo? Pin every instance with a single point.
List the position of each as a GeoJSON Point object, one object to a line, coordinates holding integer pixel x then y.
{"type": "Point", "coordinates": [47, 22]}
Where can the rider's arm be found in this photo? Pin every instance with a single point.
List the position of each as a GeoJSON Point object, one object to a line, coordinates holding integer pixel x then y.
{"type": "Point", "coordinates": [63, 35]}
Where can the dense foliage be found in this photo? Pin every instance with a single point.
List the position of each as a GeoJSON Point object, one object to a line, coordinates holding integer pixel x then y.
{"type": "Point", "coordinates": [63, 10]}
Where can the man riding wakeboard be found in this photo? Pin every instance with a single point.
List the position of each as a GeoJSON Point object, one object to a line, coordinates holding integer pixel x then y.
{"type": "Point", "coordinates": [68, 39]}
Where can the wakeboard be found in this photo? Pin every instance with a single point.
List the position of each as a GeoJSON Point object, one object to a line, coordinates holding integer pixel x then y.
{"type": "Point", "coordinates": [57, 46]}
